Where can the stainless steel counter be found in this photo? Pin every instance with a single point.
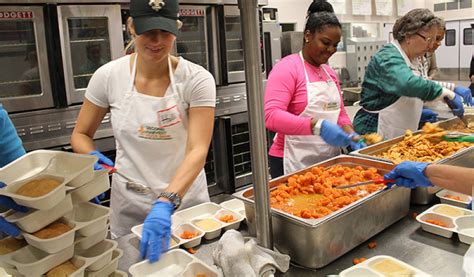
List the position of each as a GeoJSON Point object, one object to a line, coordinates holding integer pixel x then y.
{"type": "Point", "coordinates": [404, 240]}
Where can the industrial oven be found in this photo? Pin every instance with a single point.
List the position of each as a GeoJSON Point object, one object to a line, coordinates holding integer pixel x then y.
{"type": "Point", "coordinates": [48, 52]}
{"type": "Point", "coordinates": [49, 49]}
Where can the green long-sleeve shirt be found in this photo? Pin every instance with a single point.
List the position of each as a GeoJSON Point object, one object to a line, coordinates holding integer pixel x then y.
{"type": "Point", "coordinates": [387, 78]}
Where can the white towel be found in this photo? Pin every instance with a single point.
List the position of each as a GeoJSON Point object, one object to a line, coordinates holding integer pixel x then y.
{"type": "Point", "coordinates": [239, 259]}
{"type": "Point", "coordinates": [468, 262]}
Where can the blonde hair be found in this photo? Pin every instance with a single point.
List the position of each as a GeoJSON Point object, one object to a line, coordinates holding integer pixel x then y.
{"type": "Point", "coordinates": [131, 44]}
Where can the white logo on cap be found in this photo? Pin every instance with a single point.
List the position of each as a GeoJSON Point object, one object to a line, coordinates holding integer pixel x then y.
{"type": "Point", "coordinates": [156, 5]}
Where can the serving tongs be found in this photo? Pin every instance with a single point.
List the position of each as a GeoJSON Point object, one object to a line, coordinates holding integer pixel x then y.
{"type": "Point", "coordinates": [376, 181]}
{"type": "Point", "coordinates": [459, 137]}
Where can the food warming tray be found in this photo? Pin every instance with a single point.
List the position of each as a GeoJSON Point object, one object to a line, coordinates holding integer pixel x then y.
{"type": "Point", "coordinates": [378, 148]}
{"type": "Point", "coordinates": [314, 243]}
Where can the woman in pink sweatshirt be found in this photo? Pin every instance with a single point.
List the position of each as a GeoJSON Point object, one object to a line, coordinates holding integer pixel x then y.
{"type": "Point", "coordinates": [303, 101]}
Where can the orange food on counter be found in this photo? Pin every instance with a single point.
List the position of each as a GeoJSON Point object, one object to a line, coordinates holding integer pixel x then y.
{"type": "Point", "coordinates": [372, 245]}
{"type": "Point", "coordinates": [188, 235]}
{"type": "Point", "coordinates": [436, 222]}
{"type": "Point", "coordinates": [453, 197]}
{"type": "Point", "coordinates": [358, 260]}
{"type": "Point", "coordinates": [314, 194]}
{"type": "Point", "coordinates": [191, 250]}
{"type": "Point", "coordinates": [228, 218]}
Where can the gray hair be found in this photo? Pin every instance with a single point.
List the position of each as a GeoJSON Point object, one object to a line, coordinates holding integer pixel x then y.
{"type": "Point", "coordinates": [413, 22]}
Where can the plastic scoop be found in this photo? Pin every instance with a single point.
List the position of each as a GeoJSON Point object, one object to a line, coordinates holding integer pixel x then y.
{"type": "Point", "coordinates": [376, 181]}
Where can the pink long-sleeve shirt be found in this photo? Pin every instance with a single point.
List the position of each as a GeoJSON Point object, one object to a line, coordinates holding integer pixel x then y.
{"type": "Point", "coordinates": [286, 98]}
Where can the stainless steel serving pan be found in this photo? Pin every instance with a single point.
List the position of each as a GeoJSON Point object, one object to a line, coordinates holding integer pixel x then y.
{"type": "Point", "coordinates": [315, 243]}
{"type": "Point", "coordinates": [370, 152]}
{"type": "Point", "coordinates": [448, 123]}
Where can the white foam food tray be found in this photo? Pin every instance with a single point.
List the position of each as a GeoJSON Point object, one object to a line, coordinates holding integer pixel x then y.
{"type": "Point", "coordinates": [86, 219]}
{"type": "Point", "coordinates": [76, 169]}
{"type": "Point", "coordinates": [210, 211]}
{"type": "Point", "coordinates": [235, 205]}
{"type": "Point", "coordinates": [80, 265]}
{"type": "Point", "coordinates": [448, 197]}
{"type": "Point", "coordinates": [454, 219]}
{"type": "Point", "coordinates": [35, 220]}
{"type": "Point", "coordinates": [138, 229]}
{"type": "Point", "coordinates": [99, 184]}
{"type": "Point", "coordinates": [70, 169]}
{"type": "Point", "coordinates": [375, 266]}
{"type": "Point", "coordinates": [189, 220]}
{"type": "Point", "coordinates": [97, 256]}
{"type": "Point", "coordinates": [6, 257]}
{"type": "Point", "coordinates": [31, 261]}
{"type": "Point", "coordinates": [89, 217]}
{"type": "Point", "coordinates": [110, 267]}
{"type": "Point", "coordinates": [173, 263]}
{"type": "Point", "coordinates": [55, 244]}
{"type": "Point", "coordinates": [89, 241]}
{"type": "Point", "coordinates": [118, 273]}
{"type": "Point", "coordinates": [44, 202]}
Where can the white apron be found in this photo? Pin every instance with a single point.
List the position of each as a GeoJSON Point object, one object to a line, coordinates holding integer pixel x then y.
{"type": "Point", "coordinates": [151, 134]}
{"type": "Point", "coordinates": [404, 114]}
{"type": "Point", "coordinates": [437, 106]}
{"type": "Point", "coordinates": [324, 102]}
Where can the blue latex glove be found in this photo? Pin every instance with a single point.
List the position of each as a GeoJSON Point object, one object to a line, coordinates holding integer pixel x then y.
{"type": "Point", "coordinates": [455, 105]}
{"type": "Point", "coordinates": [409, 174]}
{"type": "Point", "coordinates": [5, 226]}
{"type": "Point", "coordinates": [465, 93]}
{"type": "Point", "coordinates": [156, 231]}
{"type": "Point", "coordinates": [333, 135]}
{"type": "Point", "coordinates": [102, 160]}
{"type": "Point", "coordinates": [96, 200]}
{"type": "Point", "coordinates": [428, 115]}
{"type": "Point", "coordinates": [356, 145]}
{"type": "Point", "coordinates": [469, 206]}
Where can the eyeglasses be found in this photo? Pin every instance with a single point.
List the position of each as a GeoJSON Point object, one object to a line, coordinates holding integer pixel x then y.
{"type": "Point", "coordinates": [428, 40]}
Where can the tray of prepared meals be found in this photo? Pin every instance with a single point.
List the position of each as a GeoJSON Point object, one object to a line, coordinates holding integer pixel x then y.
{"type": "Point", "coordinates": [307, 207]}
{"type": "Point", "coordinates": [425, 145]}
{"type": "Point", "coordinates": [381, 265]}
{"type": "Point", "coordinates": [41, 178]}
{"type": "Point", "coordinates": [206, 220]}
{"type": "Point", "coordinates": [445, 220]}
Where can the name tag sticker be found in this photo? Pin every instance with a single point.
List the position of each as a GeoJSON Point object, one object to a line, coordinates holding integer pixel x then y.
{"type": "Point", "coordinates": [332, 106]}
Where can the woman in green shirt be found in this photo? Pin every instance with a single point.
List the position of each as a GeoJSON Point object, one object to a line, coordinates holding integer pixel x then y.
{"type": "Point", "coordinates": [392, 91]}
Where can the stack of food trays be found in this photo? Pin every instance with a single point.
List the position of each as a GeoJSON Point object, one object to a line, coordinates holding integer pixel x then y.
{"type": "Point", "coordinates": [312, 242]}
{"type": "Point", "coordinates": [445, 220]}
{"type": "Point", "coordinates": [454, 198]}
{"type": "Point", "coordinates": [62, 231]}
{"type": "Point", "coordinates": [379, 266]}
{"type": "Point", "coordinates": [206, 220]}
{"type": "Point", "coordinates": [175, 262]}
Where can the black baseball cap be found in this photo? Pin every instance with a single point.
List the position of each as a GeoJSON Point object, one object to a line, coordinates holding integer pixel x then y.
{"type": "Point", "coordinates": [155, 14]}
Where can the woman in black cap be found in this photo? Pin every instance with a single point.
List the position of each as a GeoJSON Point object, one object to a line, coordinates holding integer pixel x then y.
{"type": "Point", "coordinates": [162, 111]}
